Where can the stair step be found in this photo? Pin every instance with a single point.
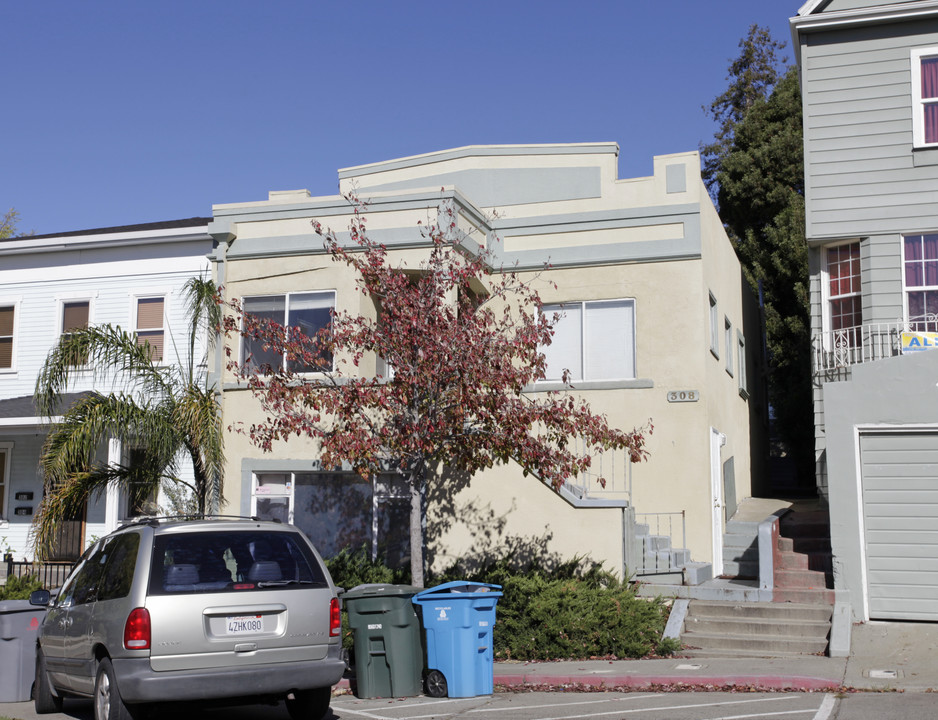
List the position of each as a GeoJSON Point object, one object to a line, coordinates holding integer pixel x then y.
{"type": "Point", "coordinates": [803, 595]}
{"type": "Point", "coordinates": [739, 554]}
{"type": "Point", "coordinates": [744, 569]}
{"type": "Point", "coordinates": [737, 653]}
{"type": "Point", "coordinates": [735, 540]}
{"type": "Point", "coordinates": [766, 644]}
{"type": "Point", "coordinates": [742, 527]}
{"type": "Point", "coordinates": [800, 579]}
{"type": "Point", "coordinates": [789, 560]}
{"type": "Point", "coordinates": [810, 612]}
{"type": "Point", "coordinates": [797, 627]}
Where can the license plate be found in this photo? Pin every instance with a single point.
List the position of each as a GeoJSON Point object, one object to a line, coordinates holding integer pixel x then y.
{"type": "Point", "coordinates": [244, 624]}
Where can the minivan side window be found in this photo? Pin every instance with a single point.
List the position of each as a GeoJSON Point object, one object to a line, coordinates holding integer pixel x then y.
{"type": "Point", "coordinates": [82, 586]}
{"type": "Point", "coordinates": [119, 572]}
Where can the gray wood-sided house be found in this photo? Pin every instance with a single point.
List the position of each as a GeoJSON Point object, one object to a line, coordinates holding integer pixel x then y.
{"type": "Point", "coordinates": [869, 79]}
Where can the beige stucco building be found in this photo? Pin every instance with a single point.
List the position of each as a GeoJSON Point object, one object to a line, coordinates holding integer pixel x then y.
{"type": "Point", "coordinates": [658, 324]}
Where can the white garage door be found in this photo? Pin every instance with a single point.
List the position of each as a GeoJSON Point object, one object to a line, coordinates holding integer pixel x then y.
{"type": "Point", "coordinates": [900, 507]}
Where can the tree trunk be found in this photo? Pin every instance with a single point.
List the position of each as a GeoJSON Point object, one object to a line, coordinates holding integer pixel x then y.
{"type": "Point", "coordinates": [417, 480]}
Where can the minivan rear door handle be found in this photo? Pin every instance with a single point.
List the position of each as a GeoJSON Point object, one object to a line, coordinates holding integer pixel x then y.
{"type": "Point", "coordinates": [245, 647]}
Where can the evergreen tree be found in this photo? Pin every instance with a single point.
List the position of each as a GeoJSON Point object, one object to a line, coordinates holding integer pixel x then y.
{"type": "Point", "coordinates": [756, 166]}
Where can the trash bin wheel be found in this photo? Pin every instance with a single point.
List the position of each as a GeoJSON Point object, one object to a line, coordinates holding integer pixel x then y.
{"type": "Point", "coordinates": [43, 699]}
{"type": "Point", "coordinates": [309, 704]}
{"type": "Point", "coordinates": [435, 684]}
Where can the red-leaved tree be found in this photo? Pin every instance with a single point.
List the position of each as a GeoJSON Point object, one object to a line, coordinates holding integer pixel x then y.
{"type": "Point", "coordinates": [461, 346]}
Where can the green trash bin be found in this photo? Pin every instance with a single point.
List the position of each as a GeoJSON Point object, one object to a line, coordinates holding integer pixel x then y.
{"type": "Point", "coordinates": [387, 643]}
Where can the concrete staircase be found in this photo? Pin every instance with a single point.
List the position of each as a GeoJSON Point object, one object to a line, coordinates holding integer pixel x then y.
{"type": "Point", "coordinates": [663, 563]}
{"type": "Point", "coordinates": [741, 549]}
{"type": "Point", "coordinates": [796, 622]}
{"type": "Point", "coordinates": [803, 566]}
{"type": "Point", "coordinates": [752, 629]}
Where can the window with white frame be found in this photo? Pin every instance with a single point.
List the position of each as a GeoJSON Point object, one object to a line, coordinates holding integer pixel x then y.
{"type": "Point", "coordinates": [728, 343]}
{"type": "Point", "coordinates": [5, 452]}
{"type": "Point", "coordinates": [75, 314]}
{"type": "Point", "coordinates": [340, 511]}
{"type": "Point", "coordinates": [309, 311]}
{"type": "Point", "coordinates": [920, 273]}
{"type": "Point", "coordinates": [844, 307]}
{"type": "Point", "coordinates": [714, 327]}
{"type": "Point", "coordinates": [7, 318]}
{"type": "Point", "coordinates": [741, 364]}
{"type": "Point", "coordinates": [594, 340]}
{"type": "Point", "coordinates": [148, 325]}
{"type": "Point", "coordinates": [924, 66]}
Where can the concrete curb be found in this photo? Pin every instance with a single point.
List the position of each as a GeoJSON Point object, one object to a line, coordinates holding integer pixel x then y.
{"type": "Point", "coordinates": [766, 682]}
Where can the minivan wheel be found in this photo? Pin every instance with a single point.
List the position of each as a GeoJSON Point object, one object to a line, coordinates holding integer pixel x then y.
{"type": "Point", "coordinates": [107, 698]}
{"type": "Point", "coordinates": [309, 704]}
{"type": "Point", "coordinates": [43, 699]}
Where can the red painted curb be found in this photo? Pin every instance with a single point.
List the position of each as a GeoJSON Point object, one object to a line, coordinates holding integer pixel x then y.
{"type": "Point", "coordinates": [771, 682]}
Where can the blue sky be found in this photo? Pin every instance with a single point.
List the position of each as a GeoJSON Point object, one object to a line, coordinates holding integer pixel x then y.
{"type": "Point", "coordinates": [120, 112]}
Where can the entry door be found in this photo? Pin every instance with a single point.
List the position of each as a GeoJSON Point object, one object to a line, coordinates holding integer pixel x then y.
{"type": "Point", "coordinates": [899, 478]}
{"type": "Point", "coordinates": [69, 537]}
{"type": "Point", "coordinates": [717, 441]}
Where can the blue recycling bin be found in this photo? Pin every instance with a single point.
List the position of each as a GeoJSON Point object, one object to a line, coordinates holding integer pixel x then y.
{"type": "Point", "coordinates": [458, 619]}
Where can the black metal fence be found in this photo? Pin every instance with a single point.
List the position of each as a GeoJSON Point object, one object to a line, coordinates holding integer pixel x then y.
{"type": "Point", "coordinates": [51, 574]}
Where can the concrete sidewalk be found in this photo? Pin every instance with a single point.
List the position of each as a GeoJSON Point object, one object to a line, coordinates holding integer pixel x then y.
{"type": "Point", "coordinates": [885, 656]}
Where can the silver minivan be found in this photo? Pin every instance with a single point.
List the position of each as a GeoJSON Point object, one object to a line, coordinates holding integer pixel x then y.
{"type": "Point", "coordinates": [213, 610]}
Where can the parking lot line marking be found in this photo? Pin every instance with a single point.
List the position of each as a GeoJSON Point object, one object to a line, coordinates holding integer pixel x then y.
{"type": "Point", "coordinates": [568, 704]}
{"type": "Point", "coordinates": [764, 715]}
{"type": "Point", "coordinates": [826, 708]}
{"type": "Point", "coordinates": [673, 707]}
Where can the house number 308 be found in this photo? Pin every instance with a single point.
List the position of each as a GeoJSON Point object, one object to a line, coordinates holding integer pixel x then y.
{"type": "Point", "coordinates": [683, 396]}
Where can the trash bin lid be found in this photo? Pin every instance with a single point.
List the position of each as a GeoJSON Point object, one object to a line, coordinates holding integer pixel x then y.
{"type": "Point", "coordinates": [379, 590]}
{"type": "Point", "coordinates": [12, 606]}
{"type": "Point", "coordinates": [461, 587]}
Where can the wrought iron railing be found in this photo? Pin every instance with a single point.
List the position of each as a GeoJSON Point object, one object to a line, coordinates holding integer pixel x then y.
{"type": "Point", "coordinates": [613, 466]}
{"type": "Point", "coordinates": [51, 574]}
{"type": "Point", "coordinates": [839, 349]}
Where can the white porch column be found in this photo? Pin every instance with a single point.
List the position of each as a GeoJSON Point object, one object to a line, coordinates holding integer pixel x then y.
{"type": "Point", "coordinates": [112, 508]}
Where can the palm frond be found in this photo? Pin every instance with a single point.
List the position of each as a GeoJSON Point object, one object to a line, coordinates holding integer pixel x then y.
{"type": "Point", "coordinates": [104, 351]}
{"type": "Point", "coordinates": [72, 444]}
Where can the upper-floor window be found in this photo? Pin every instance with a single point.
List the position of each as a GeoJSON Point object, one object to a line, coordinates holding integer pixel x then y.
{"type": "Point", "coordinates": [75, 315]}
{"type": "Point", "coordinates": [844, 303]}
{"type": "Point", "coordinates": [7, 316]}
{"type": "Point", "coordinates": [920, 261]}
{"type": "Point", "coordinates": [310, 312]}
{"type": "Point", "coordinates": [148, 325]}
{"type": "Point", "coordinates": [925, 97]}
{"type": "Point", "coordinates": [728, 343]}
{"type": "Point", "coordinates": [593, 340]}
{"type": "Point", "coordinates": [714, 327]}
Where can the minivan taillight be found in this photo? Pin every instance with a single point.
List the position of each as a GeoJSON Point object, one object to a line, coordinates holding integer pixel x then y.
{"type": "Point", "coordinates": [335, 618]}
{"type": "Point", "coordinates": [137, 630]}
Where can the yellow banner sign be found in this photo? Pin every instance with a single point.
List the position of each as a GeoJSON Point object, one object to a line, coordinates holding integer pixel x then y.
{"type": "Point", "coordinates": [918, 341]}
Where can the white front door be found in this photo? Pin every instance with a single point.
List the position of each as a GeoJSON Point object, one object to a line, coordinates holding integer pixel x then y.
{"type": "Point", "coordinates": [717, 441]}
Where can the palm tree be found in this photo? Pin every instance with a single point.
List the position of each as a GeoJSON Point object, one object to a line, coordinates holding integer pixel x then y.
{"type": "Point", "coordinates": [163, 411]}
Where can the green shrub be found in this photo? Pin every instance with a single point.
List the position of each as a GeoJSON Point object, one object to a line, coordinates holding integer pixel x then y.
{"type": "Point", "coordinates": [19, 588]}
{"type": "Point", "coordinates": [350, 568]}
{"type": "Point", "coordinates": [574, 610]}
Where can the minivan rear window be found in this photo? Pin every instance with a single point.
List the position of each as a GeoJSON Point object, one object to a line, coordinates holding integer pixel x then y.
{"type": "Point", "coordinates": [232, 561]}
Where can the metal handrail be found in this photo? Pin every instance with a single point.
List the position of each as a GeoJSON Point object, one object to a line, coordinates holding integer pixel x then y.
{"type": "Point", "coordinates": [839, 349]}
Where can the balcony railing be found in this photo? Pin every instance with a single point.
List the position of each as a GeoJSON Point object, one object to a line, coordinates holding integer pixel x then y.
{"type": "Point", "coordinates": [839, 349]}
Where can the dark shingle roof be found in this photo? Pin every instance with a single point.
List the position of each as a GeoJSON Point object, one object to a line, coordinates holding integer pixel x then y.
{"type": "Point", "coordinates": [141, 227]}
{"type": "Point", "coordinates": [25, 407]}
